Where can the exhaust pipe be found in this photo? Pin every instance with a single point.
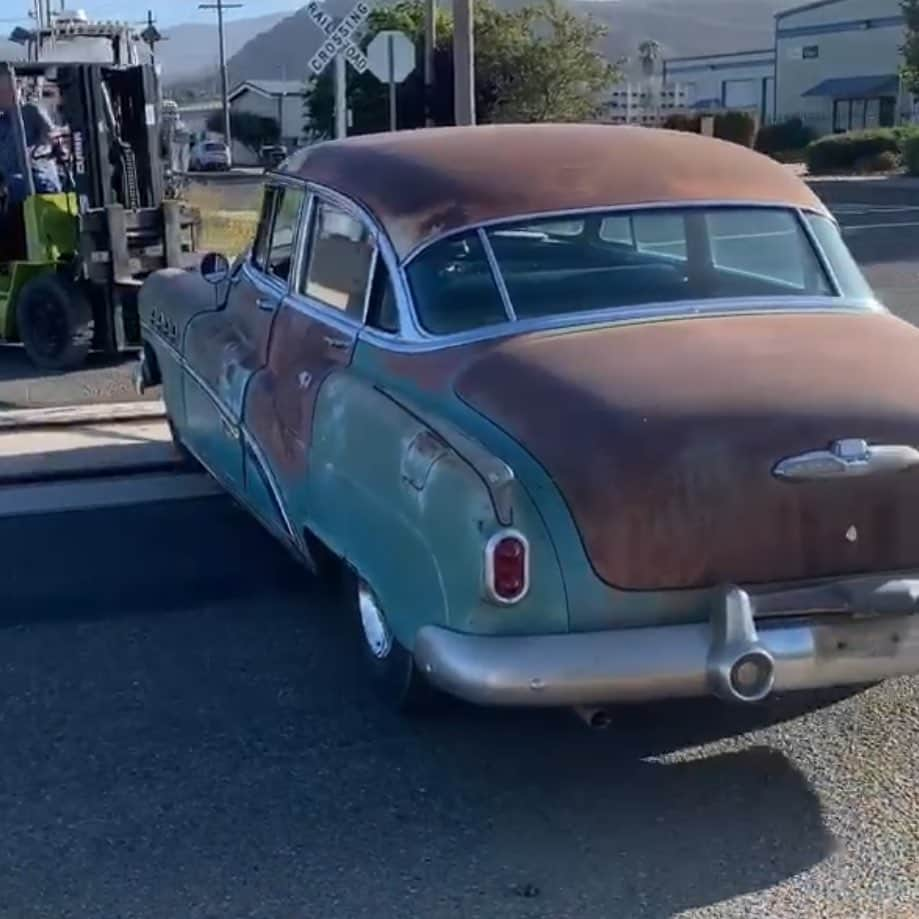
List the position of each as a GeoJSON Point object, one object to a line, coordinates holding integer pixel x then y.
{"type": "Point", "coordinates": [596, 718]}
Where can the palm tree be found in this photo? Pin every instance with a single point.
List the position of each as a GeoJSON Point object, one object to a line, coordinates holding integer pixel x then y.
{"type": "Point", "coordinates": [649, 53]}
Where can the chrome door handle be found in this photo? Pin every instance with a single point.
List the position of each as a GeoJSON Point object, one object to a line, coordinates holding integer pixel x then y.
{"type": "Point", "coordinates": [266, 303]}
{"type": "Point", "coordinates": [336, 344]}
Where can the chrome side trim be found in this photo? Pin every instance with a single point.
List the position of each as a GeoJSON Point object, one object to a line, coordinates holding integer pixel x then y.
{"type": "Point", "coordinates": [669, 662]}
{"type": "Point", "coordinates": [852, 458]}
{"type": "Point", "coordinates": [819, 250]}
{"type": "Point", "coordinates": [259, 455]}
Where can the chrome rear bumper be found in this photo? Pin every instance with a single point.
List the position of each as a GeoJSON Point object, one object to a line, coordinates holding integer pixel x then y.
{"type": "Point", "coordinates": [733, 656]}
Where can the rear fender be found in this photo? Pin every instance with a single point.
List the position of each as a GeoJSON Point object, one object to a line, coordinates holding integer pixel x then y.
{"type": "Point", "coordinates": [411, 514]}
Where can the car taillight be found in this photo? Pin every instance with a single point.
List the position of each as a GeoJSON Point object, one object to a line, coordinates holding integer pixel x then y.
{"type": "Point", "coordinates": [507, 567]}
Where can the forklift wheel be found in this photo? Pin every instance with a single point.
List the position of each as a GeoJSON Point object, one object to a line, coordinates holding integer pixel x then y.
{"type": "Point", "coordinates": [55, 322]}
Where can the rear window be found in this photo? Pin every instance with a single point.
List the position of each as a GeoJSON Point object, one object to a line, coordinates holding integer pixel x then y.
{"type": "Point", "coordinates": [214, 148]}
{"type": "Point", "coordinates": [601, 261]}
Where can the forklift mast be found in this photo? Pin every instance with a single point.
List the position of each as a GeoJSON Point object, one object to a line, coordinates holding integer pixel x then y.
{"type": "Point", "coordinates": [113, 119]}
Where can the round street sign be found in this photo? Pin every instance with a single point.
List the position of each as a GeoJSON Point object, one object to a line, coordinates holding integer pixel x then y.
{"type": "Point", "coordinates": [391, 55]}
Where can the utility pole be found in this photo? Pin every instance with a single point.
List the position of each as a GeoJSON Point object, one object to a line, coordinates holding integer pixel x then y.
{"type": "Point", "coordinates": [463, 63]}
{"type": "Point", "coordinates": [341, 97]}
{"type": "Point", "coordinates": [430, 40]}
{"type": "Point", "coordinates": [220, 6]}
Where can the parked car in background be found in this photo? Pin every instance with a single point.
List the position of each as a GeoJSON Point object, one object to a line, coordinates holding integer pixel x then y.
{"type": "Point", "coordinates": [272, 155]}
{"type": "Point", "coordinates": [589, 414]}
{"type": "Point", "coordinates": [210, 155]}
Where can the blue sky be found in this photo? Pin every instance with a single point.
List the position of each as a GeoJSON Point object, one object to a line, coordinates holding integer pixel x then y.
{"type": "Point", "coordinates": [168, 12]}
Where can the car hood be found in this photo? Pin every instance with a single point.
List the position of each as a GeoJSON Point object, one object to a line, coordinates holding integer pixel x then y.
{"type": "Point", "coordinates": [663, 439]}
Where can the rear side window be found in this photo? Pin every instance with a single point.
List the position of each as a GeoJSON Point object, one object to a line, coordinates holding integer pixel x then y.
{"type": "Point", "coordinates": [453, 286]}
{"type": "Point", "coordinates": [773, 246]}
{"type": "Point", "coordinates": [341, 256]}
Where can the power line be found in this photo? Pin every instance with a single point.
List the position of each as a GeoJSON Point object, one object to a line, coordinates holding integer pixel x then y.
{"type": "Point", "coordinates": [221, 6]}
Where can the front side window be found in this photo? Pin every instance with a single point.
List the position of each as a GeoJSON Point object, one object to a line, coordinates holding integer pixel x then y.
{"type": "Point", "coordinates": [263, 231]}
{"type": "Point", "coordinates": [621, 259]}
{"type": "Point", "coordinates": [284, 231]}
{"type": "Point", "coordinates": [340, 260]}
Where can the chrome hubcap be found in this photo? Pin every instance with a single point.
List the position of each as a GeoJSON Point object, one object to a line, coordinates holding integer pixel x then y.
{"type": "Point", "coordinates": [376, 631]}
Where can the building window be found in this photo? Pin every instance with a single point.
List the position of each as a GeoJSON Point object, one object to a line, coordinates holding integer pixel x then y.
{"type": "Point", "coordinates": [858, 114]}
{"type": "Point", "coordinates": [809, 52]}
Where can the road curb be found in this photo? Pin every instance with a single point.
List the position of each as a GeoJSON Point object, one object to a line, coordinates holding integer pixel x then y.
{"type": "Point", "coordinates": [71, 415]}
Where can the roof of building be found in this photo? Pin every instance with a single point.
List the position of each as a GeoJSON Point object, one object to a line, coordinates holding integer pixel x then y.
{"type": "Point", "coordinates": [721, 54]}
{"type": "Point", "coordinates": [269, 88]}
{"type": "Point", "coordinates": [858, 87]}
{"type": "Point", "coordinates": [425, 183]}
{"type": "Point", "coordinates": [814, 5]}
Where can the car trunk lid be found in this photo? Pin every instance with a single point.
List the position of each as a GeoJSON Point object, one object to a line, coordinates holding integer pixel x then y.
{"type": "Point", "coordinates": [664, 439]}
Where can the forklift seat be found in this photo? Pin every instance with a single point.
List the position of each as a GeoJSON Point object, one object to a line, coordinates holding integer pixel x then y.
{"type": "Point", "coordinates": [13, 245]}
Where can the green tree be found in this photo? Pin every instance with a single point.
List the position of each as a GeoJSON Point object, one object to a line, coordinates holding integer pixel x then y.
{"type": "Point", "coordinates": [910, 48]}
{"type": "Point", "coordinates": [536, 63]}
{"type": "Point", "coordinates": [249, 129]}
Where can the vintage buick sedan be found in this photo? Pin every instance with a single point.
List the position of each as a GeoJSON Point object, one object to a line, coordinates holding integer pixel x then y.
{"type": "Point", "coordinates": [589, 414]}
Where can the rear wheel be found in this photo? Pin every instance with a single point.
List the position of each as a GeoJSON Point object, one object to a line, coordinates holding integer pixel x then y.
{"type": "Point", "coordinates": [398, 681]}
{"type": "Point", "coordinates": [55, 322]}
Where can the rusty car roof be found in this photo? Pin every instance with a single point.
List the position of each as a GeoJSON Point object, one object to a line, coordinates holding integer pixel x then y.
{"type": "Point", "coordinates": [421, 184]}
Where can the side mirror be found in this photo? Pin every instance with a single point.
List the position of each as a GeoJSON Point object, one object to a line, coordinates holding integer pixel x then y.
{"type": "Point", "coordinates": [215, 268]}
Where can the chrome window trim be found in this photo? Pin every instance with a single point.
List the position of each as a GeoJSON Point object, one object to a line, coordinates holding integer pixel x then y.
{"type": "Point", "coordinates": [371, 277]}
{"type": "Point", "coordinates": [497, 275]}
{"type": "Point", "coordinates": [652, 312]}
{"type": "Point", "coordinates": [570, 213]}
{"type": "Point", "coordinates": [821, 252]}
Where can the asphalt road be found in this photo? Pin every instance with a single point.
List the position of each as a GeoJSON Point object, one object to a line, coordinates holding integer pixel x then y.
{"type": "Point", "coordinates": [883, 237]}
{"type": "Point", "coordinates": [186, 731]}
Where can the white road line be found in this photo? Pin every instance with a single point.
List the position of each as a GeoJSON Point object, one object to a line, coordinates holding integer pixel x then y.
{"type": "Point", "coordinates": [850, 228]}
{"type": "Point", "coordinates": [114, 491]}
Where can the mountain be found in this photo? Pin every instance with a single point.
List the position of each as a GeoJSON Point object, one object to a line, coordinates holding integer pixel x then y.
{"type": "Point", "coordinates": [683, 27]}
{"type": "Point", "coordinates": [191, 50]}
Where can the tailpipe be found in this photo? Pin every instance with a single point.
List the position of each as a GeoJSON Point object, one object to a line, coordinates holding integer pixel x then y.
{"type": "Point", "coordinates": [739, 668]}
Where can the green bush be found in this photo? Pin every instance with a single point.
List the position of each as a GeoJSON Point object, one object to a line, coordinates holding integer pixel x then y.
{"type": "Point", "coordinates": [737, 127]}
{"type": "Point", "coordinates": [878, 162]}
{"type": "Point", "coordinates": [840, 152]}
{"type": "Point", "coordinates": [691, 124]}
{"type": "Point", "coordinates": [782, 138]}
{"type": "Point", "coordinates": [911, 154]}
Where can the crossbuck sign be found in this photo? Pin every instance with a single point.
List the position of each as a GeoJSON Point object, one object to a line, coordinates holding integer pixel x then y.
{"type": "Point", "coordinates": [338, 37]}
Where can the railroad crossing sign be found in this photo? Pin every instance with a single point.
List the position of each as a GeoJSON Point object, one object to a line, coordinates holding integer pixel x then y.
{"type": "Point", "coordinates": [391, 56]}
{"type": "Point", "coordinates": [338, 37]}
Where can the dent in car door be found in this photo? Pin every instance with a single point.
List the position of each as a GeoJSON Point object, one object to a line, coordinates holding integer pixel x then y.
{"type": "Point", "coordinates": [314, 337]}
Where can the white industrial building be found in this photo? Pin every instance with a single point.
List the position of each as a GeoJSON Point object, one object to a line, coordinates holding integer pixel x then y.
{"type": "Point", "coordinates": [738, 80]}
{"type": "Point", "coordinates": [835, 63]}
{"type": "Point", "coordinates": [645, 102]}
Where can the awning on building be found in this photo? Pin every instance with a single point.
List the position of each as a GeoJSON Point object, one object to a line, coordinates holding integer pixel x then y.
{"type": "Point", "coordinates": [857, 87]}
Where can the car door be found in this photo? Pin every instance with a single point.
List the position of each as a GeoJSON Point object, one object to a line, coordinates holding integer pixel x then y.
{"type": "Point", "coordinates": [226, 347]}
{"type": "Point", "coordinates": [314, 336]}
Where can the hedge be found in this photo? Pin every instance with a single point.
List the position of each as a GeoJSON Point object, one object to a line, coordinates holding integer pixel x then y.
{"type": "Point", "coordinates": [911, 154]}
{"type": "Point", "coordinates": [843, 152]}
{"type": "Point", "coordinates": [738, 127]}
{"type": "Point", "coordinates": [784, 137]}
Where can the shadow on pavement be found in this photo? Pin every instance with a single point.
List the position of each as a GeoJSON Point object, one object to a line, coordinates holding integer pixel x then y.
{"type": "Point", "coordinates": [229, 757]}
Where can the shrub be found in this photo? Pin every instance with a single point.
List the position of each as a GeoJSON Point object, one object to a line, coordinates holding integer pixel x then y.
{"type": "Point", "coordinates": [737, 127]}
{"type": "Point", "coordinates": [840, 152]}
{"type": "Point", "coordinates": [782, 138]}
{"type": "Point", "coordinates": [911, 154]}
{"type": "Point", "coordinates": [692, 124]}
{"type": "Point", "coordinates": [878, 162]}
